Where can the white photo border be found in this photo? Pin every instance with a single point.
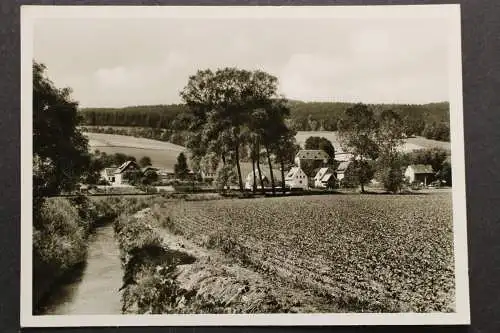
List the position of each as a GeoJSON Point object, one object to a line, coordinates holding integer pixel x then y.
{"type": "Point", "coordinates": [450, 13]}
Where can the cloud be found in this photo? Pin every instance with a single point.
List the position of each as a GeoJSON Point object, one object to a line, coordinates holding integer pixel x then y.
{"type": "Point", "coordinates": [148, 61]}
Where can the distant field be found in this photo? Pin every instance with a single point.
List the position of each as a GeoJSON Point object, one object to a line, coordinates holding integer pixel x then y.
{"type": "Point", "coordinates": [162, 154]}
{"type": "Point", "coordinates": [365, 252]}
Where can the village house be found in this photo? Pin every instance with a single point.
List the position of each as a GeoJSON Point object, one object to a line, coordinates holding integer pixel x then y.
{"type": "Point", "coordinates": [420, 173]}
{"type": "Point", "coordinates": [325, 178]}
{"type": "Point", "coordinates": [249, 180]}
{"type": "Point", "coordinates": [129, 166]}
{"type": "Point", "coordinates": [296, 178]}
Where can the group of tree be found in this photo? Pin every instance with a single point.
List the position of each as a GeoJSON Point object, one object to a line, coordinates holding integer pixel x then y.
{"type": "Point", "coordinates": [373, 140]}
{"type": "Point", "coordinates": [60, 150]}
{"type": "Point", "coordinates": [172, 116]}
{"type": "Point", "coordinates": [236, 110]}
{"type": "Point", "coordinates": [437, 131]}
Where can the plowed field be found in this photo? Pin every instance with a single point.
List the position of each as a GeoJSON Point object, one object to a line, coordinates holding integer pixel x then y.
{"type": "Point", "coordinates": [363, 252]}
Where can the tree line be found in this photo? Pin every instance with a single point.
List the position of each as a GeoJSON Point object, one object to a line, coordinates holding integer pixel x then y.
{"type": "Point", "coordinates": [428, 120]}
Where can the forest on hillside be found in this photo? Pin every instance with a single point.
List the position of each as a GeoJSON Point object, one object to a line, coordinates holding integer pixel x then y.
{"type": "Point", "coordinates": [428, 120]}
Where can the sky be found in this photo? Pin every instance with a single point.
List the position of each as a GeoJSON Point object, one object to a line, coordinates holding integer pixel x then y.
{"type": "Point", "coordinates": [117, 62]}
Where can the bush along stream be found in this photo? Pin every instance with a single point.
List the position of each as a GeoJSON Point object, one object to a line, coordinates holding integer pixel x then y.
{"type": "Point", "coordinates": [62, 227]}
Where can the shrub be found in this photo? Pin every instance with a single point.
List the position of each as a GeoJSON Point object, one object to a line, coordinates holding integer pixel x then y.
{"type": "Point", "coordinates": [61, 240]}
{"type": "Point", "coordinates": [59, 243]}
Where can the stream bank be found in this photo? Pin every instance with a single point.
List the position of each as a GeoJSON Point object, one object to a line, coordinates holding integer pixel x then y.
{"type": "Point", "coordinates": [90, 288]}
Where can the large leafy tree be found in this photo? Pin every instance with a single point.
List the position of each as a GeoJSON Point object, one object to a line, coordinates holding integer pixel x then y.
{"type": "Point", "coordinates": [357, 134]}
{"type": "Point", "coordinates": [222, 104]}
{"type": "Point", "coordinates": [60, 151]}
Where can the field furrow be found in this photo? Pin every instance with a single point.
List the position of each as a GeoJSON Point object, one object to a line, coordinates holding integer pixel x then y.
{"type": "Point", "coordinates": [378, 253]}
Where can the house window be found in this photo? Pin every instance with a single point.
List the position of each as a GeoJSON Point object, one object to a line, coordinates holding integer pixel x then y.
{"type": "Point", "coordinates": [300, 181]}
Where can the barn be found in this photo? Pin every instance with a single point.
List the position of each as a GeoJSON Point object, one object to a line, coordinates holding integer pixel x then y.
{"type": "Point", "coordinates": [296, 178]}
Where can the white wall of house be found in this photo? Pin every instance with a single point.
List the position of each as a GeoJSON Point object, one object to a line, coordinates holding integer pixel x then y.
{"type": "Point", "coordinates": [296, 178]}
{"type": "Point", "coordinates": [118, 179]}
{"type": "Point", "coordinates": [410, 174]}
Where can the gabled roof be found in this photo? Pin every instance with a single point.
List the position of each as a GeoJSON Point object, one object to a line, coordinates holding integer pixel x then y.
{"type": "Point", "coordinates": [343, 166]}
{"type": "Point", "coordinates": [149, 167]}
{"type": "Point", "coordinates": [327, 177]}
{"type": "Point", "coordinates": [322, 172]}
{"type": "Point", "coordinates": [108, 172]}
{"type": "Point", "coordinates": [309, 154]}
{"type": "Point", "coordinates": [125, 166]}
{"type": "Point", "coordinates": [293, 172]}
{"type": "Point", "coordinates": [422, 168]}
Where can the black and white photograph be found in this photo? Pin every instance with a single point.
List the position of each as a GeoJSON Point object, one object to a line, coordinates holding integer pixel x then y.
{"type": "Point", "coordinates": [293, 165]}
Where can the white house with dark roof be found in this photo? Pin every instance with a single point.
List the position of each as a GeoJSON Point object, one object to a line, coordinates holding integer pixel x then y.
{"type": "Point", "coordinates": [296, 178]}
{"type": "Point", "coordinates": [108, 174]}
{"type": "Point", "coordinates": [311, 154]}
{"type": "Point", "coordinates": [422, 173]}
{"type": "Point", "coordinates": [324, 178]}
{"type": "Point", "coordinates": [120, 171]}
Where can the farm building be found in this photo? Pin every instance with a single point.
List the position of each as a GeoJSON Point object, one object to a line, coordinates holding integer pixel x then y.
{"type": "Point", "coordinates": [325, 178]}
{"type": "Point", "coordinates": [296, 178]}
{"type": "Point", "coordinates": [341, 169]}
{"type": "Point", "coordinates": [308, 154]}
{"type": "Point", "coordinates": [249, 180]}
{"type": "Point", "coordinates": [129, 166]}
{"type": "Point", "coordinates": [421, 173]}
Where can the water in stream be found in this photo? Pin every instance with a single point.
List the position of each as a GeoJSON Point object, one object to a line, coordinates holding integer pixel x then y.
{"type": "Point", "coordinates": [94, 288]}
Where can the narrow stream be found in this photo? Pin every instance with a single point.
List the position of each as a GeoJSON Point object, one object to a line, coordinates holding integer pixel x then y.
{"type": "Point", "coordinates": [94, 288]}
